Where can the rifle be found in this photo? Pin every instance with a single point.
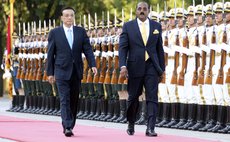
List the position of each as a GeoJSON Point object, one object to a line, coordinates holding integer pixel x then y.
{"type": "Point", "coordinates": [110, 60]}
{"type": "Point", "coordinates": [184, 56]}
{"type": "Point", "coordinates": [220, 76]}
{"type": "Point", "coordinates": [32, 63]}
{"type": "Point", "coordinates": [197, 63]}
{"type": "Point", "coordinates": [166, 57]}
{"type": "Point", "coordinates": [166, 43]}
{"type": "Point", "coordinates": [96, 77]}
{"type": "Point", "coordinates": [114, 79]}
{"type": "Point", "coordinates": [176, 62]}
{"type": "Point", "coordinates": [40, 61]}
{"type": "Point", "coordinates": [184, 62]}
{"type": "Point", "coordinates": [28, 64]}
{"type": "Point", "coordinates": [85, 63]}
{"type": "Point", "coordinates": [22, 75]}
{"type": "Point", "coordinates": [228, 76]}
{"type": "Point", "coordinates": [208, 79]}
{"type": "Point", "coordinates": [103, 63]}
{"type": "Point", "coordinates": [45, 49]}
{"type": "Point", "coordinates": [36, 60]}
{"type": "Point", "coordinates": [203, 62]}
{"type": "Point", "coordinates": [176, 56]}
{"type": "Point", "coordinates": [20, 64]}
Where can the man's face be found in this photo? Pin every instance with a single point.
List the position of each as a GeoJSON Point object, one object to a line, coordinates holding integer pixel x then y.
{"type": "Point", "coordinates": [209, 20]}
{"type": "Point", "coordinates": [219, 17]}
{"type": "Point", "coordinates": [172, 22]}
{"type": "Point", "coordinates": [164, 24]}
{"type": "Point", "coordinates": [180, 21]}
{"type": "Point", "coordinates": [190, 20]}
{"type": "Point", "coordinates": [199, 18]}
{"type": "Point", "coordinates": [68, 17]}
{"type": "Point", "coordinates": [142, 11]}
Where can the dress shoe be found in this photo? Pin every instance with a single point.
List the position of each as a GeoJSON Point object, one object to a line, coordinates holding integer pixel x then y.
{"type": "Point", "coordinates": [68, 132]}
{"type": "Point", "coordinates": [130, 130]}
{"type": "Point", "coordinates": [150, 133]}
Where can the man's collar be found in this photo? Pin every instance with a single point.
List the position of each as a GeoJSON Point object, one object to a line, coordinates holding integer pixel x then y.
{"type": "Point", "coordinates": [146, 21]}
{"type": "Point", "coordinates": [66, 28]}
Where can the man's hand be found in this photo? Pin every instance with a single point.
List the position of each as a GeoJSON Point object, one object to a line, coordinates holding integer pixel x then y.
{"type": "Point", "coordinates": [124, 72]}
{"type": "Point", "coordinates": [51, 79]}
{"type": "Point", "coordinates": [94, 69]}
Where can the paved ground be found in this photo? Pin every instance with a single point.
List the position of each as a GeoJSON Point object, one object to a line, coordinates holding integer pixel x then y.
{"type": "Point", "coordinates": [5, 104]}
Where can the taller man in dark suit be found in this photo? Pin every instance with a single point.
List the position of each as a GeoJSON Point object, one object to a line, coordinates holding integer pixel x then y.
{"type": "Point", "coordinates": [141, 59]}
{"type": "Point", "coordinates": [65, 46]}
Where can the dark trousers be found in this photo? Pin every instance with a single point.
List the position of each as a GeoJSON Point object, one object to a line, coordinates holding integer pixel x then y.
{"type": "Point", "coordinates": [135, 87]}
{"type": "Point", "coordinates": [69, 93]}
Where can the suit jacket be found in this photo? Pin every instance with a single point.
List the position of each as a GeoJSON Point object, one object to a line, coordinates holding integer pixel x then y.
{"type": "Point", "coordinates": [62, 59]}
{"type": "Point", "coordinates": [132, 49]}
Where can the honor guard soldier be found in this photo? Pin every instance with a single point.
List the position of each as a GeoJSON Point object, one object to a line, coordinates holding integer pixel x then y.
{"type": "Point", "coordinates": [208, 93]}
{"type": "Point", "coordinates": [218, 68]}
{"type": "Point", "coordinates": [226, 86]}
{"type": "Point", "coordinates": [163, 95]}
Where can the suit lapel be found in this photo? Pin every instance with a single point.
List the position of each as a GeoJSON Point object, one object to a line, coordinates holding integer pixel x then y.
{"type": "Point", "coordinates": [75, 36]}
{"type": "Point", "coordinates": [151, 28]}
{"type": "Point", "coordinates": [137, 29]}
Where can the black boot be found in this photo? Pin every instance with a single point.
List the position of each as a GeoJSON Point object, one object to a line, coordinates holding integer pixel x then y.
{"type": "Point", "coordinates": [93, 107]}
{"type": "Point", "coordinates": [175, 110]}
{"type": "Point", "coordinates": [142, 119]}
{"type": "Point", "coordinates": [27, 104]}
{"type": "Point", "coordinates": [159, 113]}
{"type": "Point", "coordinates": [13, 105]}
{"type": "Point", "coordinates": [52, 105]}
{"type": "Point", "coordinates": [16, 104]}
{"type": "Point", "coordinates": [87, 108]}
{"type": "Point", "coordinates": [39, 104]}
{"type": "Point", "coordinates": [57, 106]}
{"type": "Point", "coordinates": [211, 118]}
{"type": "Point", "coordinates": [116, 111]}
{"type": "Point", "coordinates": [98, 111]}
{"type": "Point", "coordinates": [103, 105]}
{"type": "Point", "coordinates": [47, 105]}
{"type": "Point", "coordinates": [110, 111]}
{"type": "Point", "coordinates": [82, 107]}
{"type": "Point", "coordinates": [183, 115]}
{"type": "Point", "coordinates": [43, 104]}
{"type": "Point", "coordinates": [21, 103]}
{"type": "Point", "coordinates": [200, 118]}
{"type": "Point", "coordinates": [122, 111]}
{"type": "Point", "coordinates": [166, 115]}
{"type": "Point", "coordinates": [35, 104]}
{"type": "Point", "coordinates": [192, 111]}
{"type": "Point", "coordinates": [30, 104]}
{"type": "Point", "coordinates": [221, 115]}
{"type": "Point", "coordinates": [227, 128]}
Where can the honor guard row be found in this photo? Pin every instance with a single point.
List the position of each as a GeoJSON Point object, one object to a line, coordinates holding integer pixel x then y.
{"type": "Point", "coordinates": [194, 93]}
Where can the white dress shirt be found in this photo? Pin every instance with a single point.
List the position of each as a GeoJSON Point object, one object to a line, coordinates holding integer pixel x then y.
{"type": "Point", "coordinates": [147, 27]}
{"type": "Point", "coordinates": [66, 31]}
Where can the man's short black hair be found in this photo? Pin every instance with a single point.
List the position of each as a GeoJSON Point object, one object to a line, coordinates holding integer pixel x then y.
{"type": "Point", "coordinates": [68, 7]}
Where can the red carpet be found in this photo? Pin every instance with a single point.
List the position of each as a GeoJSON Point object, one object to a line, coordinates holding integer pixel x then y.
{"type": "Point", "coordinates": [26, 130]}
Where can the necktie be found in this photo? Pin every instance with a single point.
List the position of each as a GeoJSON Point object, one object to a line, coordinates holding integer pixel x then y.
{"type": "Point", "coordinates": [69, 37]}
{"type": "Point", "coordinates": [144, 37]}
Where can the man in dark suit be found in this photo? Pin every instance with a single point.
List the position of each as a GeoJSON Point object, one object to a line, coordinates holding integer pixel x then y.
{"type": "Point", "coordinates": [141, 59]}
{"type": "Point", "coordinates": [65, 46]}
